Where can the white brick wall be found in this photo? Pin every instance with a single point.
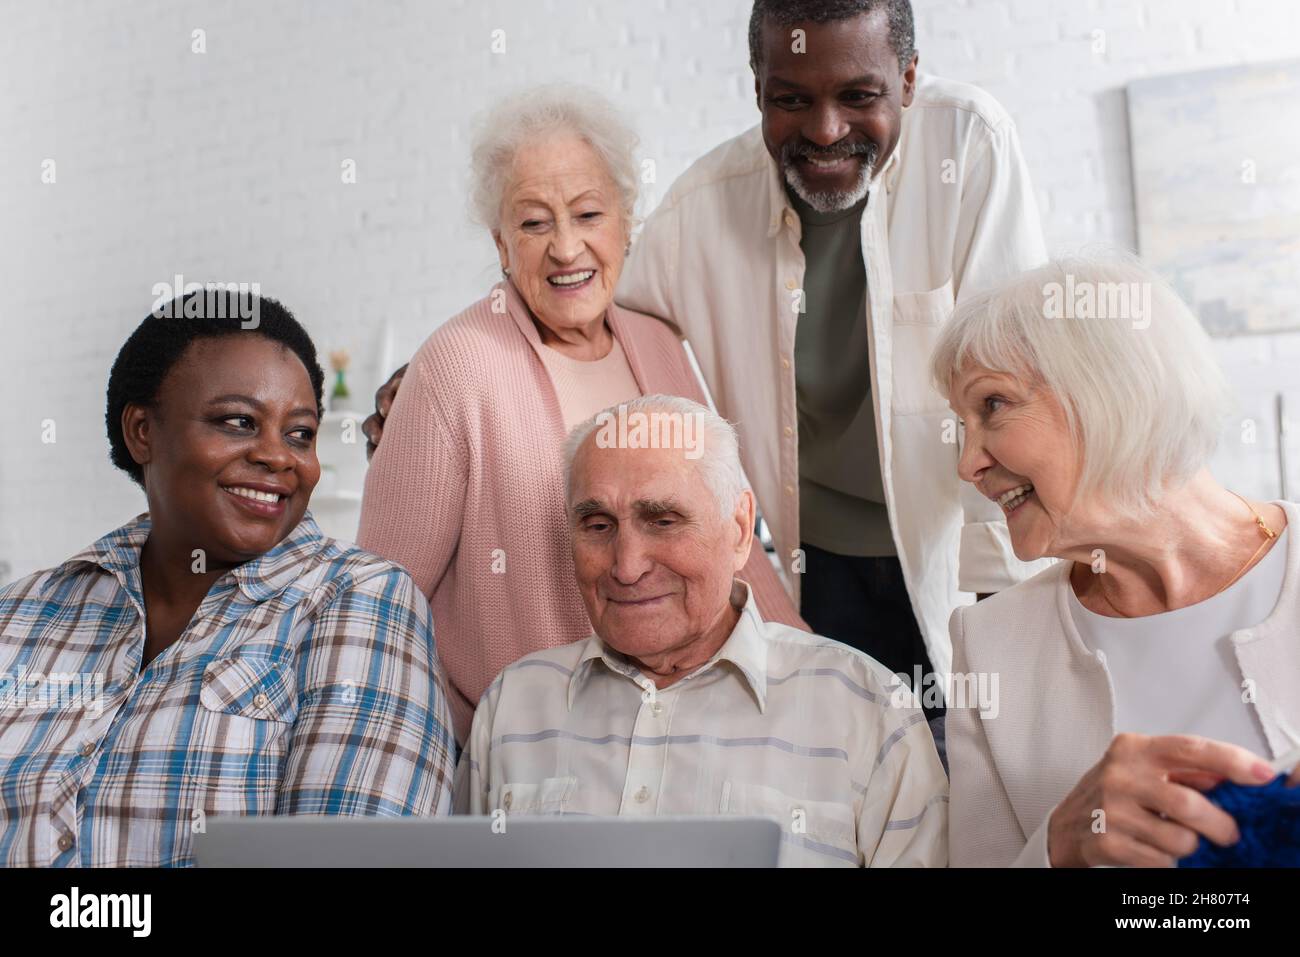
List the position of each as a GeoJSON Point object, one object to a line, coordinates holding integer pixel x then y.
{"type": "Point", "coordinates": [226, 165]}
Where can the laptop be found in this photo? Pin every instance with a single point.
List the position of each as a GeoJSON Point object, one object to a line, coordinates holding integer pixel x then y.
{"type": "Point", "coordinates": [315, 841]}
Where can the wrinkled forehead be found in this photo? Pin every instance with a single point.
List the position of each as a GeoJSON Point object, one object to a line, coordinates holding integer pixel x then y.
{"type": "Point", "coordinates": [972, 384]}
{"type": "Point", "coordinates": [970, 375]}
{"type": "Point", "coordinates": [556, 165]}
{"type": "Point", "coordinates": [620, 478]}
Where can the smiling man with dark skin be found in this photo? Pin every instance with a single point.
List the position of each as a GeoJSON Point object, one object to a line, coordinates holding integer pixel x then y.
{"type": "Point", "coordinates": [811, 262]}
{"type": "Point", "coordinates": [228, 658]}
{"type": "Point", "coordinates": [830, 120]}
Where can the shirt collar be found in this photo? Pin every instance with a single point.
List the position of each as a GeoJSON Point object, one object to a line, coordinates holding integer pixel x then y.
{"type": "Point", "coordinates": [271, 573]}
{"type": "Point", "coordinates": [117, 552]}
{"type": "Point", "coordinates": [745, 648]}
{"type": "Point", "coordinates": [782, 212]}
{"type": "Point", "coordinates": [264, 577]}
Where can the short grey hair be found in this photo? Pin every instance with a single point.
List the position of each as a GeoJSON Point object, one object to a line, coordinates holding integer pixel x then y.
{"type": "Point", "coordinates": [522, 118]}
{"type": "Point", "coordinates": [719, 463]}
{"type": "Point", "coordinates": [1144, 397]}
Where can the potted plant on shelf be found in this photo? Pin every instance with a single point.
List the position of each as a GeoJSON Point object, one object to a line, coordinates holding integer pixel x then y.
{"type": "Point", "coordinates": [340, 395]}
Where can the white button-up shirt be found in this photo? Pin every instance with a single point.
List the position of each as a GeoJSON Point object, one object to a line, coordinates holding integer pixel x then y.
{"type": "Point", "coordinates": [779, 723]}
{"type": "Point", "coordinates": [950, 212]}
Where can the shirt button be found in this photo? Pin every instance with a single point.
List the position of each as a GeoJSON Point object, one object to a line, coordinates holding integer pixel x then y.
{"type": "Point", "coordinates": [789, 217]}
{"type": "Point", "coordinates": [643, 795]}
{"type": "Point", "coordinates": [506, 800]}
{"type": "Point", "coordinates": [656, 709]}
{"type": "Point", "coordinates": [785, 363]}
{"type": "Point", "coordinates": [260, 700]}
{"type": "Point", "coordinates": [87, 749]}
{"type": "Point", "coordinates": [791, 284]}
{"type": "Point", "coordinates": [789, 490]}
{"type": "Point", "coordinates": [788, 431]}
{"type": "Point", "coordinates": [66, 841]}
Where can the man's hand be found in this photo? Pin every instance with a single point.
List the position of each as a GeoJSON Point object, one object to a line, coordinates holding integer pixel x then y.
{"type": "Point", "coordinates": [373, 427]}
{"type": "Point", "coordinates": [1148, 790]}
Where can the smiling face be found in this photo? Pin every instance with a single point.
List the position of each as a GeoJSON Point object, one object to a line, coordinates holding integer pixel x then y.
{"type": "Point", "coordinates": [654, 557]}
{"type": "Point", "coordinates": [832, 114]}
{"type": "Point", "coordinates": [563, 234]}
{"type": "Point", "coordinates": [1018, 452]}
{"type": "Point", "coordinates": [229, 448]}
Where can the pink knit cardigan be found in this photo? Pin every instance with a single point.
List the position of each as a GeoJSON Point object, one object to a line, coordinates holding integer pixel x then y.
{"type": "Point", "coordinates": [466, 489]}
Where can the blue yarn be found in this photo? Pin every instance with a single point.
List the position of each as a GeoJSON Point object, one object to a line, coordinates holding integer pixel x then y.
{"type": "Point", "coordinates": [1268, 817]}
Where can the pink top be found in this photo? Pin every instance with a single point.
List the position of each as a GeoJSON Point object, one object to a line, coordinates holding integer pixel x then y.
{"type": "Point", "coordinates": [467, 489]}
{"type": "Point", "coordinates": [584, 388]}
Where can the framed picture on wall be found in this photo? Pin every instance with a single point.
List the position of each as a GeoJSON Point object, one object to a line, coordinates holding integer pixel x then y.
{"type": "Point", "coordinates": [1216, 179]}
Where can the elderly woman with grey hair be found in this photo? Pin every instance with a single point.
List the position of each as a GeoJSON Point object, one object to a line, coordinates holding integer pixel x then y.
{"type": "Point", "coordinates": [466, 489]}
{"type": "Point", "coordinates": [1159, 656]}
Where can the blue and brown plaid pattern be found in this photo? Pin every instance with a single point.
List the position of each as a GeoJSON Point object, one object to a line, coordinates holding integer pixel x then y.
{"type": "Point", "coordinates": [306, 683]}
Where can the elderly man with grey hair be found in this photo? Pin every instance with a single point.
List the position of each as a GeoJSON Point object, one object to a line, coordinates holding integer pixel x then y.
{"type": "Point", "coordinates": [1159, 657]}
{"type": "Point", "coordinates": [811, 262]}
{"type": "Point", "coordinates": [684, 700]}
{"type": "Point", "coordinates": [467, 490]}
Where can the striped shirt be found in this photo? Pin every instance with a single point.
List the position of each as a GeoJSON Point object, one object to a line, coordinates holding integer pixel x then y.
{"type": "Point", "coordinates": [779, 723]}
{"type": "Point", "coordinates": [306, 683]}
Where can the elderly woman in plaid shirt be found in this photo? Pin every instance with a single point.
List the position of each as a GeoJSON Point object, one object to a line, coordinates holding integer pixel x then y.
{"type": "Point", "coordinates": [217, 654]}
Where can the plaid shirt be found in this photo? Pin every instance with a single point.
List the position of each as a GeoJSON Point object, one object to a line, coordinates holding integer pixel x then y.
{"type": "Point", "coordinates": [306, 683]}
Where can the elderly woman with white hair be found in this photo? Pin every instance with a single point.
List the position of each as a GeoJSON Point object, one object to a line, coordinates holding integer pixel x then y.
{"type": "Point", "coordinates": [1159, 657]}
{"type": "Point", "coordinates": [466, 489]}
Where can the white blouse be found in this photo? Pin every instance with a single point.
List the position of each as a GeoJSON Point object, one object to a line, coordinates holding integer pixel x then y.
{"type": "Point", "coordinates": [1177, 672]}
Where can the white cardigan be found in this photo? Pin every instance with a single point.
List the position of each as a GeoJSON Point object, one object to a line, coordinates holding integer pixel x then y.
{"type": "Point", "coordinates": [1056, 709]}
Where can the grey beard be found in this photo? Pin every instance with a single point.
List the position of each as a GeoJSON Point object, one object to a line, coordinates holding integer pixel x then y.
{"type": "Point", "coordinates": [824, 201]}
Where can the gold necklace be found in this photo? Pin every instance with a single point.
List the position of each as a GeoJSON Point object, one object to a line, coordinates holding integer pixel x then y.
{"type": "Point", "coordinates": [1269, 535]}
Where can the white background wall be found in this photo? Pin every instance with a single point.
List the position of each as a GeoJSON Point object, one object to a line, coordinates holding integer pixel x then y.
{"type": "Point", "coordinates": [226, 166]}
